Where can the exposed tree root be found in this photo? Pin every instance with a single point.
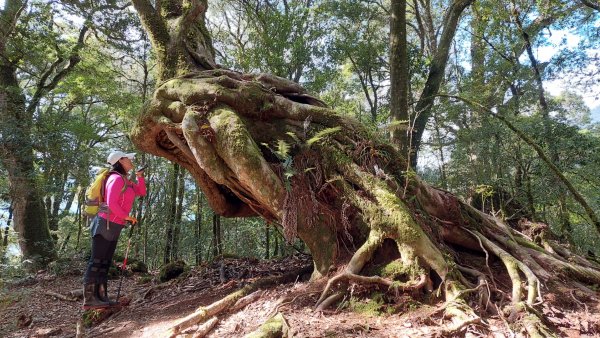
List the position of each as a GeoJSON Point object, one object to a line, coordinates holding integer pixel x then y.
{"type": "Point", "coordinates": [456, 308]}
{"type": "Point", "coordinates": [513, 266]}
{"type": "Point", "coordinates": [275, 327]}
{"type": "Point", "coordinates": [532, 322]}
{"type": "Point", "coordinates": [205, 312]}
{"type": "Point", "coordinates": [327, 302]}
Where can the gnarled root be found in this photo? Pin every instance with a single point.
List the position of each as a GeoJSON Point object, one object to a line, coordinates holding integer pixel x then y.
{"type": "Point", "coordinates": [456, 308]}
{"type": "Point", "coordinates": [275, 327]}
{"type": "Point", "coordinates": [532, 322]}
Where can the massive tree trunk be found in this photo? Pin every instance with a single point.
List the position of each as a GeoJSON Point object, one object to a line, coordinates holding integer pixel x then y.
{"type": "Point", "coordinates": [259, 145]}
{"type": "Point", "coordinates": [17, 158]}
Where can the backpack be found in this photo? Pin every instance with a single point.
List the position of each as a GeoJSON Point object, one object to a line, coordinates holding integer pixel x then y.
{"type": "Point", "coordinates": [94, 194]}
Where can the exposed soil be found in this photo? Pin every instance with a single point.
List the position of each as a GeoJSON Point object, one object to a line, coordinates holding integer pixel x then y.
{"type": "Point", "coordinates": [27, 310]}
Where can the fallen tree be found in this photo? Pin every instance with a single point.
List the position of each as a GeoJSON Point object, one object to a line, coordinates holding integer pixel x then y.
{"type": "Point", "coordinates": [259, 145]}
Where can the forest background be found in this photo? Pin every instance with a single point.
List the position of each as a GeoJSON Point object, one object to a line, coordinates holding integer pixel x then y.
{"type": "Point", "coordinates": [85, 69]}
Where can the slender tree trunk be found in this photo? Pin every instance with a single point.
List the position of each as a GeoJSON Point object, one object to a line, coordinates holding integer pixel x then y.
{"type": "Point", "coordinates": [147, 223]}
{"type": "Point", "coordinates": [10, 217]}
{"type": "Point", "coordinates": [198, 227]}
{"type": "Point", "coordinates": [170, 220]}
{"type": "Point", "coordinates": [436, 75]}
{"type": "Point", "coordinates": [399, 79]}
{"type": "Point", "coordinates": [54, 201]}
{"type": "Point", "coordinates": [441, 152]}
{"type": "Point", "coordinates": [178, 214]}
{"type": "Point", "coordinates": [79, 218]}
{"type": "Point", "coordinates": [217, 241]}
{"type": "Point", "coordinates": [276, 244]}
{"type": "Point", "coordinates": [530, 200]}
{"type": "Point", "coordinates": [267, 240]}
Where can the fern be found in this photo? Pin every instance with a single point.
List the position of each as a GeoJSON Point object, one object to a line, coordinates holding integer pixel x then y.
{"type": "Point", "coordinates": [283, 149]}
{"type": "Point", "coordinates": [322, 134]}
{"type": "Point", "coordinates": [293, 136]}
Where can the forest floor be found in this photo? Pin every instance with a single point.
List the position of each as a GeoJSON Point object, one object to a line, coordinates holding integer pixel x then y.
{"type": "Point", "coordinates": [28, 308]}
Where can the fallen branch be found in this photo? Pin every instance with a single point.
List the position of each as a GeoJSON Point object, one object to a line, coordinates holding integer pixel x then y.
{"type": "Point", "coordinates": [60, 296]}
{"type": "Point", "coordinates": [243, 302]}
{"type": "Point", "coordinates": [204, 312]}
{"type": "Point", "coordinates": [205, 328]}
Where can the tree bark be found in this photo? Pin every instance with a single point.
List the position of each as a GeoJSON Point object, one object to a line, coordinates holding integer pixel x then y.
{"type": "Point", "coordinates": [178, 215]}
{"type": "Point", "coordinates": [217, 242]}
{"type": "Point", "coordinates": [198, 227]}
{"type": "Point", "coordinates": [171, 216]}
{"type": "Point", "coordinates": [267, 241]}
{"type": "Point", "coordinates": [178, 33]}
{"type": "Point", "coordinates": [399, 79]}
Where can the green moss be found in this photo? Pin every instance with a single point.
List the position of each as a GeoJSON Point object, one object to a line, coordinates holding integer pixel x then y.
{"type": "Point", "coordinates": [172, 270]}
{"type": "Point", "coordinates": [392, 270]}
{"type": "Point", "coordinates": [274, 327]}
{"type": "Point", "coordinates": [138, 266]}
{"type": "Point", "coordinates": [373, 306]}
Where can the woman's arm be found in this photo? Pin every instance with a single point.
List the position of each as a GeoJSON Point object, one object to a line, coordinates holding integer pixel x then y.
{"type": "Point", "coordinates": [140, 187]}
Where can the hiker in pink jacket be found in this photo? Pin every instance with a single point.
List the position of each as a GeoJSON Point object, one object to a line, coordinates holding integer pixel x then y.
{"type": "Point", "coordinates": [113, 216]}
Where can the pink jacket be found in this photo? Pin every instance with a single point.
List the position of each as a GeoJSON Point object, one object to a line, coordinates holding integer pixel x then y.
{"type": "Point", "coordinates": [120, 202]}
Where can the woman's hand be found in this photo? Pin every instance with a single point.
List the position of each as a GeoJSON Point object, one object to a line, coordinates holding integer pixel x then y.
{"type": "Point", "coordinates": [131, 219]}
{"type": "Point", "coordinates": [140, 172]}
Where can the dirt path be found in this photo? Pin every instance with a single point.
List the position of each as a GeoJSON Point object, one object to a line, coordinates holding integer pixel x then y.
{"type": "Point", "coordinates": [27, 309]}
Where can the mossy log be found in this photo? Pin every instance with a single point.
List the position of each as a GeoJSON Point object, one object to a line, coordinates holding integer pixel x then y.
{"type": "Point", "coordinates": [259, 145]}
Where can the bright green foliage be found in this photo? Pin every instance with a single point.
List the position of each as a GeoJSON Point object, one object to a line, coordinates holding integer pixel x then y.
{"type": "Point", "coordinates": [322, 135]}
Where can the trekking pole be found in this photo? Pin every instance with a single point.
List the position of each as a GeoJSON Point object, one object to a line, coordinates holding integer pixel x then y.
{"type": "Point", "coordinates": [125, 261]}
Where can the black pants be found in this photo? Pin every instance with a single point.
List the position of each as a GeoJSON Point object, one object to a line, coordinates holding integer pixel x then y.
{"type": "Point", "coordinates": [102, 254]}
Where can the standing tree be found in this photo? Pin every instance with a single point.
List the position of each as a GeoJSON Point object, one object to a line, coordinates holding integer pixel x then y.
{"type": "Point", "coordinates": [260, 145]}
{"type": "Point", "coordinates": [25, 55]}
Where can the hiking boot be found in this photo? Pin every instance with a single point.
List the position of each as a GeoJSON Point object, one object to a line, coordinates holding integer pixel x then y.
{"type": "Point", "coordinates": [103, 294]}
{"type": "Point", "coordinates": [90, 298]}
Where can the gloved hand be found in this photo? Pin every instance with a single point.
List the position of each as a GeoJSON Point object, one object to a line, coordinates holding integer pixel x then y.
{"type": "Point", "coordinates": [131, 219]}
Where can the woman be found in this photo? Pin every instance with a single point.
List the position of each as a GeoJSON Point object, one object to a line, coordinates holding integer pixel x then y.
{"type": "Point", "coordinates": [119, 195]}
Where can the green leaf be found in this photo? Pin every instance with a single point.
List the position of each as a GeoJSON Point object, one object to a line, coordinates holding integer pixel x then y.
{"type": "Point", "coordinates": [283, 149]}
{"type": "Point", "coordinates": [322, 134]}
{"type": "Point", "coordinates": [293, 136]}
